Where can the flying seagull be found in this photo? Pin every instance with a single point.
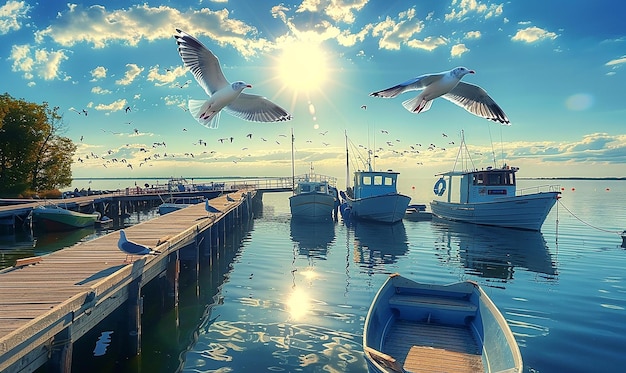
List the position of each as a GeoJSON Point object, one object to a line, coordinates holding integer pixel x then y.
{"type": "Point", "coordinates": [205, 67]}
{"type": "Point", "coordinates": [133, 248]}
{"type": "Point", "coordinates": [448, 85]}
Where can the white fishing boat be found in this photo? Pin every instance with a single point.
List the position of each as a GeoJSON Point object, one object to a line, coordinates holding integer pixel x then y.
{"type": "Point", "coordinates": [417, 327]}
{"type": "Point", "coordinates": [374, 195]}
{"type": "Point", "coordinates": [314, 198]}
{"type": "Point", "coordinates": [490, 196]}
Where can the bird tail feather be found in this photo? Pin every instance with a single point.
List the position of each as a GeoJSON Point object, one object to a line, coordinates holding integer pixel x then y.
{"type": "Point", "coordinates": [197, 109]}
{"type": "Point", "coordinates": [417, 105]}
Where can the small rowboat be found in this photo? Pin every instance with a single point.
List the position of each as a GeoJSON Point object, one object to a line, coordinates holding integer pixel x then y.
{"type": "Point", "coordinates": [415, 327]}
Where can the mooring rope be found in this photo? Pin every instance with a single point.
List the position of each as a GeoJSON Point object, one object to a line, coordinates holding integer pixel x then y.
{"type": "Point", "coordinates": [619, 233]}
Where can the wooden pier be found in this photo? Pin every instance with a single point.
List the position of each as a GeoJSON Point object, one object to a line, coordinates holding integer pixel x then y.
{"type": "Point", "coordinates": [47, 303]}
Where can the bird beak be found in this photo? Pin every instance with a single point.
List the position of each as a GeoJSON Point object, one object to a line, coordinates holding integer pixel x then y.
{"type": "Point", "coordinates": [248, 86]}
{"type": "Point", "coordinates": [472, 72]}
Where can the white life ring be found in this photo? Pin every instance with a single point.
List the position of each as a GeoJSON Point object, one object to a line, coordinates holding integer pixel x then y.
{"type": "Point", "coordinates": [440, 187]}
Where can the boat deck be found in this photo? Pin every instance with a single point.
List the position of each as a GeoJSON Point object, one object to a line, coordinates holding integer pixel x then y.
{"type": "Point", "coordinates": [423, 347]}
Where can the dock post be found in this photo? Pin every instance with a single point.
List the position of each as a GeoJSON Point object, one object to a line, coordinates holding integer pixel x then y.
{"type": "Point", "coordinates": [173, 273]}
{"type": "Point", "coordinates": [135, 303]}
{"type": "Point", "coordinates": [61, 354]}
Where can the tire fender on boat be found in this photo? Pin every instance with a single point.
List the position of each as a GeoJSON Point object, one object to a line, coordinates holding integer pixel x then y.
{"type": "Point", "coordinates": [440, 187]}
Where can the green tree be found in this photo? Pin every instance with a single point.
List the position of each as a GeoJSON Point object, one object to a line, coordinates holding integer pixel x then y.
{"type": "Point", "coordinates": [33, 155]}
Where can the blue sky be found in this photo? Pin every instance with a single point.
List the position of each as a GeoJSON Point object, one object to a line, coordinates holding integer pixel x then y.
{"type": "Point", "coordinates": [557, 69]}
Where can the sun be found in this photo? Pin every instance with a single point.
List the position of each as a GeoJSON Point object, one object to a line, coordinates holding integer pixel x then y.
{"type": "Point", "coordinates": [302, 66]}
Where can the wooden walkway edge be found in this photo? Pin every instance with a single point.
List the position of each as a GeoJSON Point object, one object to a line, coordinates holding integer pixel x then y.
{"type": "Point", "coordinates": [69, 291]}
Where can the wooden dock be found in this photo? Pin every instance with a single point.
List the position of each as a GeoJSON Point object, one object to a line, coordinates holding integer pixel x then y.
{"type": "Point", "coordinates": [47, 303]}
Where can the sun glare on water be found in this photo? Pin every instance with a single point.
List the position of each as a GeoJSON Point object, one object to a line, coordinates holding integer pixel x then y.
{"type": "Point", "coordinates": [302, 66]}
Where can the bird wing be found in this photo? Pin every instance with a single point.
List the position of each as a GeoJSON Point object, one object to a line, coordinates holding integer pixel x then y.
{"type": "Point", "coordinates": [202, 63]}
{"type": "Point", "coordinates": [257, 108]}
{"type": "Point", "coordinates": [414, 84]}
{"type": "Point", "coordinates": [476, 100]}
{"type": "Point", "coordinates": [133, 248]}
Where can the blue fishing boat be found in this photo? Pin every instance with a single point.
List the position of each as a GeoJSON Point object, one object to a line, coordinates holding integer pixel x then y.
{"type": "Point", "coordinates": [416, 327]}
{"type": "Point", "coordinates": [374, 195]}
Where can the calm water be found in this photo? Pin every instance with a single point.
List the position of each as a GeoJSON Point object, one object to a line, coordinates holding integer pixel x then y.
{"type": "Point", "coordinates": [289, 298]}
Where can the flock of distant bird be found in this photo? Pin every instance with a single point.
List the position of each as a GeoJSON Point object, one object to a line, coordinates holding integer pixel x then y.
{"type": "Point", "coordinates": [229, 97]}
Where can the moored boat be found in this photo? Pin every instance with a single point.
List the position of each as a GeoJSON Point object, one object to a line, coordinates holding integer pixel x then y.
{"type": "Point", "coordinates": [417, 212]}
{"type": "Point", "coordinates": [175, 204]}
{"type": "Point", "coordinates": [55, 218]}
{"type": "Point", "coordinates": [375, 197]}
{"type": "Point", "coordinates": [314, 198]}
{"type": "Point", "coordinates": [490, 197]}
{"type": "Point", "coordinates": [416, 327]}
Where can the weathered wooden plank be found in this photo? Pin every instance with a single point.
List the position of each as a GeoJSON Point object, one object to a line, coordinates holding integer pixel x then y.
{"type": "Point", "coordinates": [40, 301]}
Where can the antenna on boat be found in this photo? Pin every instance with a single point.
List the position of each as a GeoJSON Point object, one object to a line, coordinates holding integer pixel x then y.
{"type": "Point", "coordinates": [463, 148]}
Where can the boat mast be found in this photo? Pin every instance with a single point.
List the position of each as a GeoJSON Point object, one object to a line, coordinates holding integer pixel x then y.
{"type": "Point", "coordinates": [347, 162]}
{"type": "Point", "coordinates": [293, 170]}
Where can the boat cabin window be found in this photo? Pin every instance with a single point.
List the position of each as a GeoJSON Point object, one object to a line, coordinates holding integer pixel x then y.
{"type": "Point", "coordinates": [305, 188]}
{"type": "Point", "coordinates": [494, 178]}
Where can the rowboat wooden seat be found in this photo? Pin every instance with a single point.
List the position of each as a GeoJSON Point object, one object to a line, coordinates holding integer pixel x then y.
{"type": "Point", "coordinates": [457, 304]}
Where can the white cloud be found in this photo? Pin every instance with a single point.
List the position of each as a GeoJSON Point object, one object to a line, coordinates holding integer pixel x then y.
{"type": "Point", "coordinates": [40, 63]}
{"type": "Point", "coordinates": [533, 34]}
{"type": "Point", "coordinates": [132, 71]}
{"type": "Point", "coordinates": [473, 35]}
{"type": "Point", "coordinates": [458, 50]}
{"type": "Point", "coordinates": [100, 91]}
{"type": "Point", "coordinates": [114, 106]}
{"type": "Point", "coordinates": [467, 7]}
{"type": "Point", "coordinates": [617, 61]}
{"type": "Point", "coordinates": [429, 43]}
{"type": "Point", "coordinates": [99, 72]}
{"type": "Point", "coordinates": [394, 33]}
{"type": "Point", "coordinates": [100, 27]}
{"type": "Point", "coordinates": [169, 77]}
{"type": "Point", "coordinates": [337, 10]}
{"type": "Point", "coordinates": [11, 15]}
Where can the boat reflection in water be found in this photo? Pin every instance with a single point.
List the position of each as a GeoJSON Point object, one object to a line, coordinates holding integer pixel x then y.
{"type": "Point", "coordinates": [48, 242]}
{"type": "Point", "coordinates": [313, 237]}
{"type": "Point", "coordinates": [495, 252]}
{"type": "Point", "coordinates": [377, 245]}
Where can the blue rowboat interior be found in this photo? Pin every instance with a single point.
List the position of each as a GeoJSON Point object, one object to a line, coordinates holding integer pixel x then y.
{"type": "Point", "coordinates": [416, 327]}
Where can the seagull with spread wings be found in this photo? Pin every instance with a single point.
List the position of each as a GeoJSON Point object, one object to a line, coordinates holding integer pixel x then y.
{"type": "Point", "coordinates": [205, 67]}
{"type": "Point", "coordinates": [448, 85]}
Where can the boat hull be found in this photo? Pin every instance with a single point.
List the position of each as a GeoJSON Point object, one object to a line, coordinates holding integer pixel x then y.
{"type": "Point", "coordinates": [521, 212]}
{"type": "Point", "coordinates": [312, 206]}
{"type": "Point", "coordinates": [58, 219]}
{"type": "Point", "coordinates": [456, 327]}
{"type": "Point", "coordinates": [387, 208]}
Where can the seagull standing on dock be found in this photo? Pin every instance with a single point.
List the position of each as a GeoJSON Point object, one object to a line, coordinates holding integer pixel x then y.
{"type": "Point", "coordinates": [210, 209]}
{"type": "Point", "coordinates": [205, 67]}
{"type": "Point", "coordinates": [133, 248]}
{"type": "Point", "coordinates": [448, 85]}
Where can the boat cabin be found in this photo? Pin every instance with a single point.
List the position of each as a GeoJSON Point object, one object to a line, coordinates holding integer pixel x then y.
{"type": "Point", "coordinates": [485, 185]}
{"type": "Point", "coordinates": [374, 183]}
{"type": "Point", "coordinates": [312, 187]}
